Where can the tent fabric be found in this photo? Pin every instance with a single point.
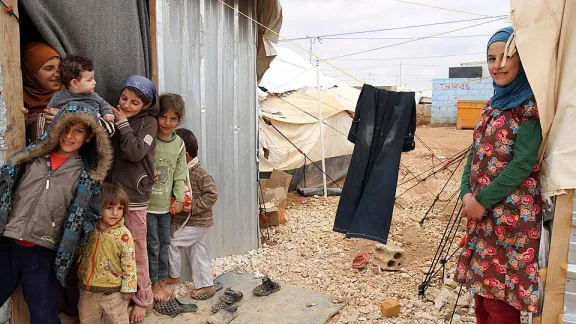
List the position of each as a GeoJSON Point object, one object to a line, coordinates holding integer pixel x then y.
{"type": "Point", "coordinates": [289, 72]}
{"type": "Point", "coordinates": [269, 13]}
{"type": "Point", "coordinates": [301, 107]}
{"type": "Point", "coordinates": [284, 156]}
{"type": "Point", "coordinates": [546, 41]}
{"type": "Point", "coordinates": [114, 35]}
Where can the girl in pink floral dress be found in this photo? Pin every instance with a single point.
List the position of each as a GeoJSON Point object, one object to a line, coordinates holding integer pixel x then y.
{"type": "Point", "coordinates": [499, 263]}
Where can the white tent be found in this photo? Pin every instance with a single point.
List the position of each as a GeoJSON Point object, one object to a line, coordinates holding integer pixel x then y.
{"type": "Point", "coordinates": [291, 105]}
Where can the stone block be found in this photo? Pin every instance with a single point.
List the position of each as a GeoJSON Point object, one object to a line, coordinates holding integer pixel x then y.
{"type": "Point", "coordinates": [389, 257]}
{"type": "Point", "coordinates": [390, 307]}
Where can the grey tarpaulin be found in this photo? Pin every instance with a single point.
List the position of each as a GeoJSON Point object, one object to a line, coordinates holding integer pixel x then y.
{"type": "Point", "coordinates": [113, 34]}
{"type": "Point", "coordinates": [383, 126]}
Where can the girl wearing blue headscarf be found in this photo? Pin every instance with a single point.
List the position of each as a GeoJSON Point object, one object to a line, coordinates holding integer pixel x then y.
{"type": "Point", "coordinates": [134, 146]}
{"type": "Point", "coordinates": [501, 196]}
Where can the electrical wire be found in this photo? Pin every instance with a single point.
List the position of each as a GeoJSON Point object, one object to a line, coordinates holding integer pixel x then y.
{"type": "Point", "coordinates": [400, 38]}
{"type": "Point", "coordinates": [442, 8]}
{"type": "Point", "coordinates": [291, 42]}
{"type": "Point", "coordinates": [405, 58]}
{"type": "Point", "coordinates": [390, 28]}
{"type": "Point", "coordinates": [414, 39]}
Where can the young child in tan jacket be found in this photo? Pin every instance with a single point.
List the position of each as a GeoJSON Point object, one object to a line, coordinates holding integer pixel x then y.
{"type": "Point", "coordinates": [194, 230]}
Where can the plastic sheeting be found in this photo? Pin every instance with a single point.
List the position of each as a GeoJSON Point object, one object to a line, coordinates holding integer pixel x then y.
{"type": "Point", "coordinates": [290, 72]}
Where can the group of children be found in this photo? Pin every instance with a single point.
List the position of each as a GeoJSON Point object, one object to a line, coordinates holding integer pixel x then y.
{"type": "Point", "coordinates": [115, 208]}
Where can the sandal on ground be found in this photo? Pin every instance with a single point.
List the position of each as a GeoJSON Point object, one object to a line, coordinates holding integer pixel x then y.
{"type": "Point", "coordinates": [266, 288]}
{"type": "Point", "coordinates": [360, 261]}
{"type": "Point", "coordinates": [224, 316]}
{"type": "Point", "coordinates": [219, 306]}
{"type": "Point", "coordinates": [174, 307]}
{"type": "Point", "coordinates": [203, 296]}
{"type": "Point", "coordinates": [230, 296]}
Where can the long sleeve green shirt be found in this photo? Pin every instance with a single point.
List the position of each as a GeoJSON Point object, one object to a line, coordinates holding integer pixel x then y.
{"type": "Point", "coordinates": [171, 169]}
{"type": "Point", "coordinates": [525, 156]}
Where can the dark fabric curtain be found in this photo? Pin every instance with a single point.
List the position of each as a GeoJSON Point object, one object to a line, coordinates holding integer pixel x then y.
{"type": "Point", "coordinates": [383, 127]}
{"type": "Point", "coordinates": [115, 35]}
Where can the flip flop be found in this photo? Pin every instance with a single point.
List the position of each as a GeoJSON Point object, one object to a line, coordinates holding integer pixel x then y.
{"type": "Point", "coordinates": [224, 316]}
{"type": "Point", "coordinates": [266, 288]}
{"type": "Point", "coordinates": [360, 260]}
{"type": "Point", "coordinates": [230, 296]}
{"type": "Point", "coordinates": [203, 296]}
{"type": "Point", "coordinates": [174, 307]}
{"type": "Point", "coordinates": [221, 305]}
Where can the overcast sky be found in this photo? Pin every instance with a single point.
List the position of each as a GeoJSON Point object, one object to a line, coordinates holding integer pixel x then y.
{"type": "Point", "coordinates": [320, 17]}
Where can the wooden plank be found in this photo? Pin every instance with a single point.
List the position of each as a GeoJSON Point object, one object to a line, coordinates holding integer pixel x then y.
{"type": "Point", "coordinates": [556, 275]}
{"type": "Point", "coordinates": [12, 75]}
{"type": "Point", "coordinates": [15, 130]}
{"type": "Point", "coordinates": [153, 40]}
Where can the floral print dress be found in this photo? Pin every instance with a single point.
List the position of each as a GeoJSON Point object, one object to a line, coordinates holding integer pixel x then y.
{"type": "Point", "coordinates": [500, 258]}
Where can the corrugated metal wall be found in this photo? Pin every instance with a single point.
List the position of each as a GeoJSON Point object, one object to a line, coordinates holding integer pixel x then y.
{"type": "Point", "coordinates": [207, 54]}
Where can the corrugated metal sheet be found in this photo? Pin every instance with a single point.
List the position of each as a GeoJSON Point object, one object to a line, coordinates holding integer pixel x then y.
{"type": "Point", "coordinates": [207, 54]}
{"type": "Point", "coordinates": [570, 290]}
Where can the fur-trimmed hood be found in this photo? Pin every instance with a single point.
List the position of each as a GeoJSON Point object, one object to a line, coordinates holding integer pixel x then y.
{"type": "Point", "coordinates": [97, 154]}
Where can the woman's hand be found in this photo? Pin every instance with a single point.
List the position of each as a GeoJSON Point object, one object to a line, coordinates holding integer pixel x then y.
{"type": "Point", "coordinates": [473, 210]}
{"type": "Point", "coordinates": [24, 110]}
{"type": "Point", "coordinates": [49, 114]}
{"type": "Point", "coordinates": [119, 115]}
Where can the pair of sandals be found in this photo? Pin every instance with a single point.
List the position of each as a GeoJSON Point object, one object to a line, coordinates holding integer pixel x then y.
{"type": "Point", "coordinates": [227, 300]}
{"type": "Point", "coordinates": [174, 307]}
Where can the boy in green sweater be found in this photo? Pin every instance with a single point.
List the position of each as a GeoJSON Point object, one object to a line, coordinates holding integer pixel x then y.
{"type": "Point", "coordinates": [171, 170]}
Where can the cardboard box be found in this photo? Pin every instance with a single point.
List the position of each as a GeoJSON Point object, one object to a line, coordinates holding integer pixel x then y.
{"type": "Point", "coordinates": [272, 198]}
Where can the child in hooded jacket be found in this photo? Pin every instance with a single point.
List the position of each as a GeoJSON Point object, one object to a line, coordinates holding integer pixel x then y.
{"type": "Point", "coordinates": [49, 203]}
{"type": "Point", "coordinates": [134, 145]}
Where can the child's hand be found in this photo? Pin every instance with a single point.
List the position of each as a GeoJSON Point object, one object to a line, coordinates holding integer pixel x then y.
{"type": "Point", "coordinates": [49, 114]}
{"type": "Point", "coordinates": [473, 210]}
{"type": "Point", "coordinates": [127, 296]}
{"type": "Point", "coordinates": [187, 208]}
{"type": "Point", "coordinates": [109, 118]}
{"type": "Point", "coordinates": [119, 114]}
{"type": "Point", "coordinates": [466, 198]}
{"type": "Point", "coordinates": [178, 206]}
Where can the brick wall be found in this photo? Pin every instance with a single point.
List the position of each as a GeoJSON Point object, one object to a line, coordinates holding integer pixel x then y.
{"type": "Point", "coordinates": [447, 92]}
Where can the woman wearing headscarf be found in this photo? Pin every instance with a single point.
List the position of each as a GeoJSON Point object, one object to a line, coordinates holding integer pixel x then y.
{"type": "Point", "coordinates": [41, 81]}
{"type": "Point", "coordinates": [501, 196]}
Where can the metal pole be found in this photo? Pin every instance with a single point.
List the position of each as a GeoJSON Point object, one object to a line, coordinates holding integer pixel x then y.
{"type": "Point", "coordinates": [400, 85]}
{"type": "Point", "coordinates": [321, 123]}
{"type": "Point", "coordinates": [310, 53]}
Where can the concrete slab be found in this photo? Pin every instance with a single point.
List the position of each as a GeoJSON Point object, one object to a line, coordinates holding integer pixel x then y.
{"type": "Point", "coordinates": [287, 306]}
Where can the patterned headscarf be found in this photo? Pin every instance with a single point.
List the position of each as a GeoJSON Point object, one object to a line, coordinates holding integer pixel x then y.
{"type": "Point", "coordinates": [519, 90]}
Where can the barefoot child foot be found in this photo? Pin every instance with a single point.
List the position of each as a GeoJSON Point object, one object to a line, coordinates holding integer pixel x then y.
{"type": "Point", "coordinates": [159, 294]}
{"type": "Point", "coordinates": [168, 289]}
{"type": "Point", "coordinates": [171, 281]}
{"type": "Point", "coordinates": [137, 315]}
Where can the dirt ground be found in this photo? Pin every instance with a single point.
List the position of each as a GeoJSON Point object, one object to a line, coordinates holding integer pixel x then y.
{"type": "Point", "coordinates": [307, 253]}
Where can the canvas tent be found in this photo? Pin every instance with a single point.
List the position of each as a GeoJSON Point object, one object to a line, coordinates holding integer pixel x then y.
{"type": "Point", "coordinates": [291, 105]}
{"type": "Point", "coordinates": [546, 40]}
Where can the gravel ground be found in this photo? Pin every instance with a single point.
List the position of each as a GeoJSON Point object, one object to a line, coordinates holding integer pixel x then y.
{"type": "Point", "coordinates": [306, 252]}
